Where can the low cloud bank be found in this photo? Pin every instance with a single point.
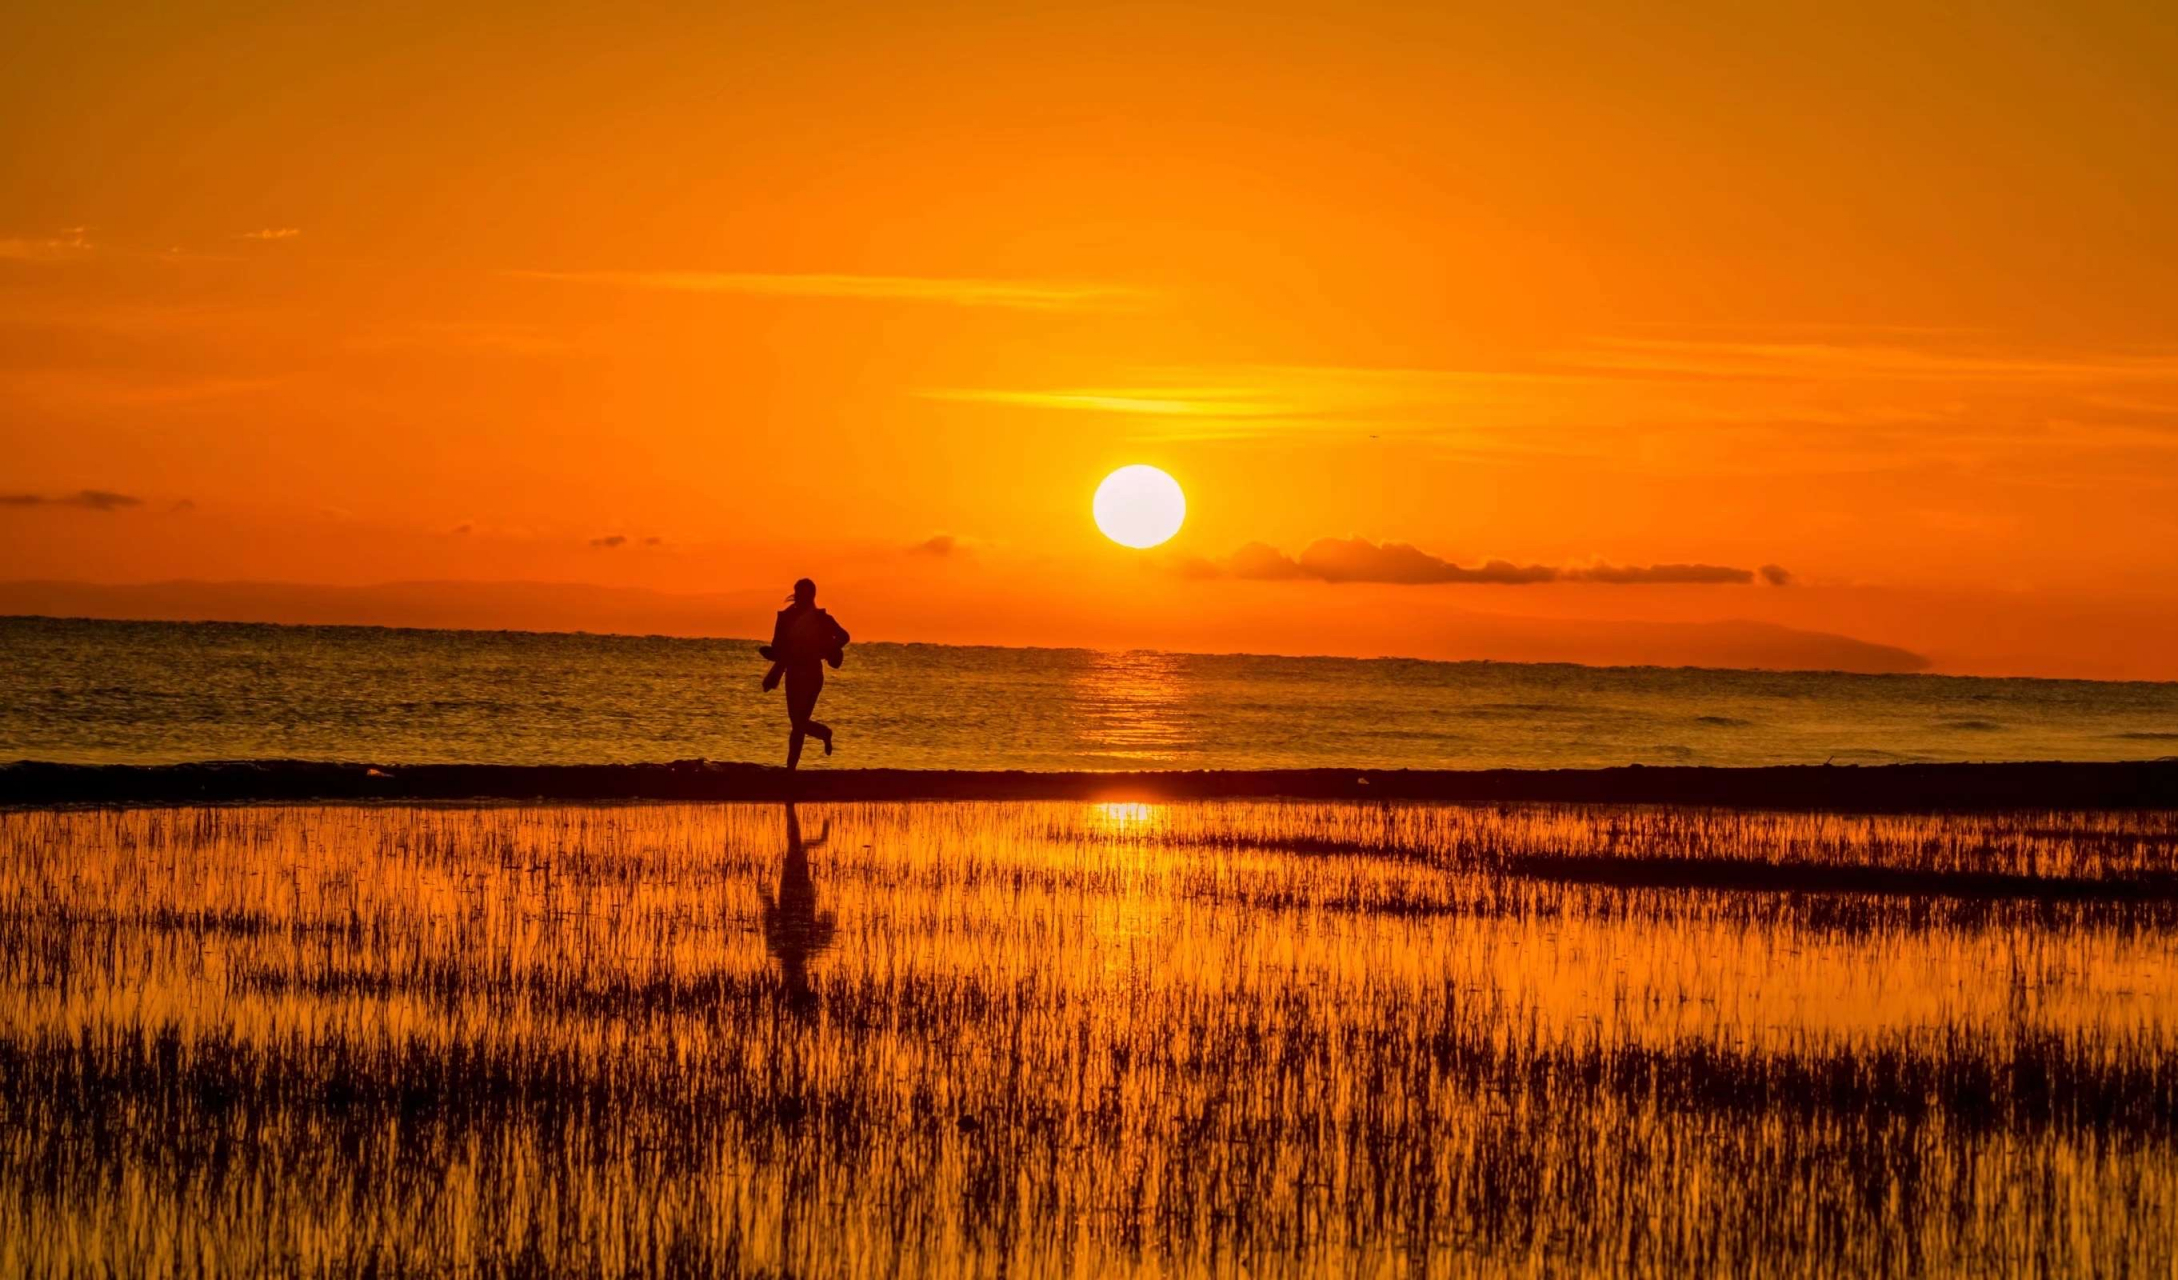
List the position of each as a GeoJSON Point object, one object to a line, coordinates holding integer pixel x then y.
{"type": "Point", "coordinates": [1360, 560]}
{"type": "Point", "coordinates": [88, 499]}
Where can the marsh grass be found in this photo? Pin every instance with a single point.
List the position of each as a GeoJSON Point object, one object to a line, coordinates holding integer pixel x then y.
{"type": "Point", "coordinates": [1108, 1039]}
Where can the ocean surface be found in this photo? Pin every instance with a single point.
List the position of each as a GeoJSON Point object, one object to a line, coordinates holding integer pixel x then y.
{"type": "Point", "coordinates": [154, 692]}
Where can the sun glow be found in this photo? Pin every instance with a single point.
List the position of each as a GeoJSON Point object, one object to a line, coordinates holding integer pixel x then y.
{"type": "Point", "coordinates": [1139, 506]}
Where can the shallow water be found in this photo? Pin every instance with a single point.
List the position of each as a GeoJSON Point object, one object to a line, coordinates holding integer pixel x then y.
{"type": "Point", "coordinates": [163, 692]}
{"type": "Point", "coordinates": [1032, 1039]}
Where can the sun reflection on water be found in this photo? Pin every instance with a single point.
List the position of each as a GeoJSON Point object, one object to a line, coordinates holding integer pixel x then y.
{"type": "Point", "coordinates": [1133, 706]}
{"type": "Point", "coordinates": [1124, 817]}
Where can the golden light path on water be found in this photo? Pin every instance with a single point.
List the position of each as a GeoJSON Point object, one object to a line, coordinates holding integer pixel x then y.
{"type": "Point", "coordinates": [1130, 707]}
{"type": "Point", "coordinates": [1136, 1037]}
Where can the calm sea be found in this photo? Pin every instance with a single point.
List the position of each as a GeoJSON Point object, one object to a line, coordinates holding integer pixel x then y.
{"type": "Point", "coordinates": [153, 692]}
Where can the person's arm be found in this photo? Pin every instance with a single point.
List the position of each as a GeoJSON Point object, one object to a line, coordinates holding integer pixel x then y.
{"type": "Point", "coordinates": [774, 651]}
{"type": "Point", "coordinates": [836, 652]}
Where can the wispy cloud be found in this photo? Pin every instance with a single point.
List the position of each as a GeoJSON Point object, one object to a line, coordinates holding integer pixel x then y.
{"type": "Point", "coordinates": [1147, 401]}
{"type": "Point", "coordinates": [271, 233]}
{"type": "Point", "coordinates": [71, 242]}
{"type": "Point", "coordinates": [1033, 295]}
{"type": "Point", "coordinates": [1624, 575]}
{"type": "Point", "coordinates": [947, 546]}
{"type": "Point", "coordinates": [1279, 401]}
{"type": "Point", "coordinates": [610, 541]}
{"type": "Point", "coordinates": [1760, 361]}
{"type": "Point", "coordinates": [1360, 560]}
{"type": "Point", "coordinates": [1685, 406]}
{"type": "Point", "coordinates": [510, 338]}
{"type": "Point", "coordinates": [87, 499]}
{"type": "Point", "coordinates": [126, 388]}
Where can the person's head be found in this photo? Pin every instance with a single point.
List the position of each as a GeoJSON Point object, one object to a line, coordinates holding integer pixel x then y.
{"type": "Point", "coordinates": [805, 591]}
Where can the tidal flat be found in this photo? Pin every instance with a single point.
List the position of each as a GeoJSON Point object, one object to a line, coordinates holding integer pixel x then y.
{"type": "Point", "coordinates": [1044, 1038]}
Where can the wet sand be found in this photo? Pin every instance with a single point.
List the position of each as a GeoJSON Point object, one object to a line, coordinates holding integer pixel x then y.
{"type": "Point", "coordinates": [2149, 784]}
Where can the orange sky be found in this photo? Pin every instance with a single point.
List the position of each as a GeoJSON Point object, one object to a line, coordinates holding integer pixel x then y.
{"type": "Point", "coordinates": [1886, 297]}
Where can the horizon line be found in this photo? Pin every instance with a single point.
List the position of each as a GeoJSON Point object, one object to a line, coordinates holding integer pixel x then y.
{"type": "Point", "coordinates": [1039, 648]}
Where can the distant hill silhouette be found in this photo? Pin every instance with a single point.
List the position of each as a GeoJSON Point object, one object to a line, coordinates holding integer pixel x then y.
{"type": "Point", "coordinates": [549, 606]}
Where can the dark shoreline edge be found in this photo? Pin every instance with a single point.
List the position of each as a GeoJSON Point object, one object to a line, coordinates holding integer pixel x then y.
{"type": "Point", "coordinates": [1898, 788]}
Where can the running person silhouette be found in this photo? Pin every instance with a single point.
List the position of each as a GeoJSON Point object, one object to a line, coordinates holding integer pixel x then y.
{"type": "Point", "coordinates": [803, 641]}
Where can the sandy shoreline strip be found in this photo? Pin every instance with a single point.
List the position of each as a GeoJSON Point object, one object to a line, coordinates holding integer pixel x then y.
{"type": "Point", "coordinates": [1878, 788]}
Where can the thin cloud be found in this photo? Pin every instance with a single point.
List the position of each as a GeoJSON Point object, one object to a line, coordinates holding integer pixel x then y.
{"type": "Point", "coordinates": [1172, 402]}
{"type": "Point", "coordinates": [1776, 575]}
{"type": "Point", "coordinates": [948, 546]}
{"type": "Point", "coordinates": [1701, 358]}
{"type": "Point", "coordinates": [70, 243]}
{"type": "Point", "coordinates": [1237, 402]}
{"type": "Point", "coordinates": [1030, 295]}
{"type": "Point", "coordinates": [513, 339]}
{"type": "Point", "coordinates": [1360, 560]}
{"type": "Point", "coordinates": [1692, 406]}
{"type": "Point", "coordinates": [1635, 575]}
{"type": "Point", "coordinates": [125, 387]}
{"type": "Point", "coordinates": [610, 541]}
{"type": "Point", "coordinates": [87, 499]}
{"type": "Point", "coordinates": [271, 233]}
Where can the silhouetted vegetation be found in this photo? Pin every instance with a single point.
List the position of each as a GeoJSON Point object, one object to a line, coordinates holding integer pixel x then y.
{"type": "Point", "coordinates": [1042, 1038]}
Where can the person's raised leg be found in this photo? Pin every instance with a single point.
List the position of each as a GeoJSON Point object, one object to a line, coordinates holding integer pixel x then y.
{"type": "Point", "coordinates": [822, 733]}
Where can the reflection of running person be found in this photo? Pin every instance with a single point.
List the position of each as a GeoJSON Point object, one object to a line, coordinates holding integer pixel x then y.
{"type": "Point", "coordinates": [795, 931]}
{"type": "Point", "coordinates": [804, 639]}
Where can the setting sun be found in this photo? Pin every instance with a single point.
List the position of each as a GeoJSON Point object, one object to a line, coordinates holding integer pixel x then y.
{"type": "Point", "coordinates": [1139, 506]}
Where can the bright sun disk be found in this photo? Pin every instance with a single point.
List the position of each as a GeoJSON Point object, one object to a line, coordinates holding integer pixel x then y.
{"type": "Point", "coordinates": [1139, 506]}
